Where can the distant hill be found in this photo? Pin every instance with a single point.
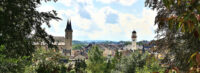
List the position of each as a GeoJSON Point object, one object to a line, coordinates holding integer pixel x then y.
{"type": "Point", "coordinates": [107, 42]}
{"type": "Point", "coordinates": [142, 42]}
{"type": "Point", "coordinates": [100, 42]}
{"type": "Point", "coordinates": [77, 45]}
{"type": "Point", "coordinates": [79, 42]}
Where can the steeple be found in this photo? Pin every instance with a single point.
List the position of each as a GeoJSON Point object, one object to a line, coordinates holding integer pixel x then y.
{"type": "Point", "coordinates": [68, 27]}
{"type": "Point", "coordinates": [134, 31]}
{"type": "Point", "coordinates": [134, 34]}
{"type": "Point", "coordinates": [68, 37]}
{"type": "Point", "coordinates": [134, 38]}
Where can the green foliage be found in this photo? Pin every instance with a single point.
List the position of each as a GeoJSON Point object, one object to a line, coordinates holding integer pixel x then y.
{"type": "Point", "coordinates": [8, 63]}
{"type": "Point", "coordinates": [63, 69]}
{"type": "Point", "coordinates": [95, 62]}
{"type": "Point", "coordinates": [181, 14]}
{"type": "Point", "coordinates": [115, 60]}
{"type": "Point", "coordinates": [178, 29]}
{"type": "Point", "coordinates": [118, 55]}
{"type": "Point", "coordinates": [139, 63]}
{"type": "Point", "coordinates": [20, 27]}
{"type": "Point", "coordinates": [80, 66]}
{"type": "Point", "coordinates": [136, 63]}
{"type": "Point", "coordinates": [109, 67]}
{"type": "Point", "coordinates": [44, 68]}
{"type": "Point", "coordinates": [77, 46]}
{"type": "Point", "coordinates": [152, 65]}
{"type": "Point", "coordinates": [194, 59]}
{"type": "Point", "coordinates": [46, 61]}
{"type": "Point", "coordinates": [72, 71]}
{"type": "Point", "coordinates": [194, 62]}
{"type": "Point", "coordinates": [127, 43]}
{"type": "Point", "coordinates": [129, 64]}
{"type": "Point", "coordinates": [144, 42]}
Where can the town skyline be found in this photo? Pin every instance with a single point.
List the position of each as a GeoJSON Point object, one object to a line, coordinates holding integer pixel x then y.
{"type": "Point", "coordinates": [102, 20]}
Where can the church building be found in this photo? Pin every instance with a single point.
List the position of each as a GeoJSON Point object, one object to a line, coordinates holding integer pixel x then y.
{"type": "Point", "coordinates": [68, 37]}
{"type": "Point", "coordinates": [64, 44]}
{"type": "Point", "coordinates": [134, 38]}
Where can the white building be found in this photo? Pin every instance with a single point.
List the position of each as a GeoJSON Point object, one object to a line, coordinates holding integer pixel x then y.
{"type": "Point", "coordinates": [134, 39]}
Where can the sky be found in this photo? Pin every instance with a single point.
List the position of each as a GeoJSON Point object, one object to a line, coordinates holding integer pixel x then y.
{"type": "Point", "coordinates": [112, 20]}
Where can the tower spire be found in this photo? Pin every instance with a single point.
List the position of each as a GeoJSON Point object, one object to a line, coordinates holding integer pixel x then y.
{"type": "Point", "coordinates": [68, 37]}
{"type": "Point", "coordinates": [134, 37]}
{"type": "Point", "coordinates": [68, 27]}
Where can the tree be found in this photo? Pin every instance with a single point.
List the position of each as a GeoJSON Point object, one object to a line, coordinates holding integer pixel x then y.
{"type": "Point", "coordinates": [178, 29]}
{"type": "Point", "coordinates": [115, 60]}
{"type": "Point", "coordinates": [63, 69]}
{"type": "Point", "coordinates": [77, 46]}
{"type": "Point", "coordinates": [95, 62]}
{"type": "Point", "coordinates": [21, 27]}
{"type": "Point", "coordinates": [7, 64]}
{"type": "Point", "coordinates": [118, 55]}
{"type": "Point", "coordinates": [181, 14]}
{"type": "Point", "coordinates": [129, 64]}
{"type": "Point", "coordinates": [80, 66]}
{"type": "Point", "coordinates": [139, 62]}
{"type": "Point", "coordinates": [108, 67]}
{"type": "Point", "coordinates": [152, 65]}
{"type": "Point", "coordinates": [46, 61]}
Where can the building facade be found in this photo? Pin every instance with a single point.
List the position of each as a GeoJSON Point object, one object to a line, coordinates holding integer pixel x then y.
{"type": "Point", "coordinates": [134, 40]}
{"type": "Point", "coordinates": [64, 44]}
{"type": "Point", "coordinates": [68, 38]}
{"type": "Point", "coordinates": [68, 35]}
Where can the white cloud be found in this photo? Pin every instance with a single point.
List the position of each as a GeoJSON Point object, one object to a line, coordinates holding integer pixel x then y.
{"type": "Point", "coordinates": [85, 1]}
{"type": "Point", "coordinates": [96, 28]}
{"type": "Point", "coordinates": [65, 2]}
{"type": "Point", "coordinates": [143, 25]}
{"type": "Point", "coordinates": [122, 2]}
{"type": "Point", "coordinates": [55, 25]}
{"type": "Point", "coordinates": [127, 23]}
{"type": "Point", "coordinates": [127, 2]}
{"type": "Point", "coordinates": [82, 23]}
{"type": "Point", "coordinates": [106, 1]}
{"type": "Point", "coordinates": [74, 3]}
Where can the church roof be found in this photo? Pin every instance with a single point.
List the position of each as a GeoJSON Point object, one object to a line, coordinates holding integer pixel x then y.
{"type": "Point", "coordinates": [134, 31]}
{"type": "Point", "coordinates": [59, 38]}
{"type": "Point", "coordinates": [68, 27]}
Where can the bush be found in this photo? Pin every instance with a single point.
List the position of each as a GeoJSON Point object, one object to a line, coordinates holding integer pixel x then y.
{"type": "Point", "coordinates": [152, 65]}
{"type": "Point", "coordinates": [139, 63]}
{"type": "Point", "coordinates": [46, 61]}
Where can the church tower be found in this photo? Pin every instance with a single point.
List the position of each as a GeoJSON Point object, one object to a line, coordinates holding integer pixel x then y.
{"type": "Point", "coordinates": [134, 37]}
{"type": "Point", "coordinates": [68, 36]}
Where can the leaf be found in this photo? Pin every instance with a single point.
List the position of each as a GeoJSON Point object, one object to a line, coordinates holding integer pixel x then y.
{"type": "Point", "coordinates": [183, 28]}
{"type": "Point", "coordinates": [179, 24]}
{"type": "Point", "coordinates": [179, 2]}
{"type": "Point", "coordinates": [198, 17]}
{"type": "Point", "coordinates": [192, 56]}
{"type": "Point", "coordinates": [198, 58]}
{"type": "Point", "coordinates": [196, 33]}
{"type": "Point", "coordinates": [170, 24]}
{"type": "Point", "coordinates": [176, 69]}
{"type": "Point", "coordinates": [166, 3]}
{"type": "Point", "coordinates": [189, 26]}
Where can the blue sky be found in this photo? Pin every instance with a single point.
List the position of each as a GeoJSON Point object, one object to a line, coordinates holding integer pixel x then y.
{"type": "Point", "coordinates": [102, 19]}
